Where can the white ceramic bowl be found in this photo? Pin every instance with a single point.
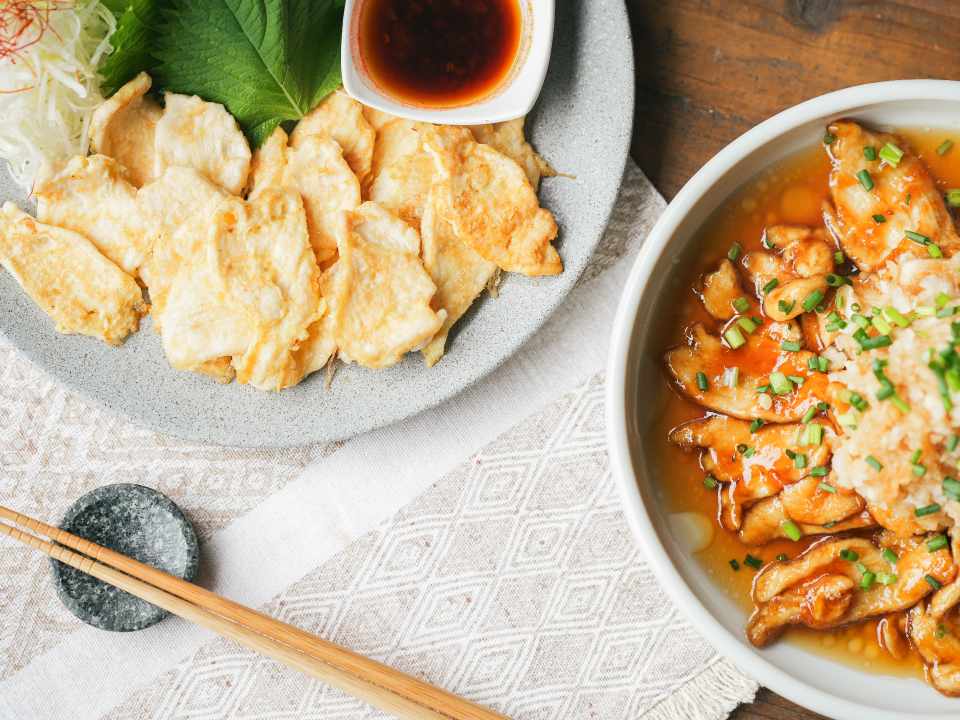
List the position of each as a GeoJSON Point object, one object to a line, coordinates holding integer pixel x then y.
{"type": "Point", "coordinates": [513, 98]}
{"type": "Point", "coordinates": [636, 388]}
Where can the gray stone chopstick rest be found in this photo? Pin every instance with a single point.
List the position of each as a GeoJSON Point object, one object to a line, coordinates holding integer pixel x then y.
{"type": "Point", "coordinates": [135, 521]}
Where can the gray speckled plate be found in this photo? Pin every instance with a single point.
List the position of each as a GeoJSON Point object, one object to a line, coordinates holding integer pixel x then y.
{"type": "Point", "coordinates": [581, 125]}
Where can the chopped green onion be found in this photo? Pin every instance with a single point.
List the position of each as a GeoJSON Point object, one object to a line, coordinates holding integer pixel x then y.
{"type": "Point", "coordinates": [861, 320]}
{"type": "Point", "coordinates": [943, 148]}
{"type": "Point", "coordinates": [734, 252]}
{"type": "Point", "coordinates": [790, 453]}
{"type": "Point", "coordinates": [810, 302]}
{"type": "Point", "coordinates": [917, 237]}
{"type": "Point", "coordinates": [838, 256]}
{"type": "Point", "coordinates": [870, 153]}
{"type": "Point", "coordinates": [791, 345]}
{"type": "Point", "coordinates": [735, 565]}
{"type": "Point", "coordinates": [828, 138]}
{"type": "Point", "coordinates": [874, 463]}
{"type": "Point", "coordinates": [800, 461]}
{"type": "Point", "coordinates": [813, 364]}
{"type": "Point", "coordinates": [741, 448]}
{"type": "Point", "coordinates": [896, 316]}
{"type": "Point", "coordinates": [915, 457]}
{"type": "Point", "coordinates": [849, 555]}
{"type": "Point", "coordinates": [756, 425]}
{"type": "Point", "coordinates": [867, 582]}
{"type": "Point", "coordinates": [928, 510]}
{"type": "Point", "coordinates": [877, 342]}
{"type": "Point", "coordinates": [749, 452]}
{"type": "Point", "coordinates": [848, 420]}
{"type": "Point", "coordinates": [919, 470]}
{"type": "Point", "coordinates": [734, 377]}
{"type": "Point", "coordinates": [845, 395]}
{"type": "Point", "coordinates": [702, 381]}
{"type": "Point", "coordinates": [758, 321]}
{"type": "Point", "coordinates": [891, 153]}
{"type": "Point", "coordinates": [864, 177]}
{"type": "Point", "coordinates": [940, 631]}
{"type": "Point", "coordinates": [797, 379]}
{"type": "Point", "coordinates": [823, 405]}
{"type": "Point", "coordinates": [878, 219]}
{"type": "Point", "coordinates": [830, 524]}
{"type": "Point", "coordinates": [889, 555]}
{"type": "Point", "coordinates": [942, 299]}
{"type": "Point", "coordinates": [741, 304]}
{"type": "Point", "coordinates": [856, 399]}
{"type": "Point", "coordinates": [819, 471]}
{"type": "Point", "coordinates": [824, 363]}
{"type": "Point", "coordinates": [808, 415]}
{"type": "Point", "coordinates": [947, 312]}
{"type": "Point", "coordinates": [753, 562]}
{"type": "Point", "coordinates": [899, 404]}
{"type": "Point", "coordinates": [791, 529]}
{"type": "Point", "coordinates": [952, 197]}
{"type": "Point", "coordinates": [886, 578]}
{"type": "Point", "coordinates": [833, 281]}
{"type": "Point", "coordinates": [711, 482]}
{"type": "Point", "coordinates": [934, 251]}
{"type": "Point", "coordinates": [932, 582]}
{"type": "Point", "coordinates": [770, 286]}
{"type": "Point", "coordinates": [882, 325]}
{"type": "Point", "coordinates": [855, 307]}
{"type": "Point", "coordinates": [735, 338]}
{"type": "Point", "coordinates": [780, 383]}
{"type": "Point", "coordinates": [908, 199]}
{"type": "Point", "coordinates": [784, 308]}
{"type": "Point", "coordinates": [761, 389]}
{"type": "Point", "coordinates": [952, 443]}
{"type": "Point", "coordinates": [782, 558]}
{"type": "Point", "coordinates": [840, 301]}
{"type": "Point", "coordinates": [924, 311]}
{"type": "Point", "coordinates": [828, 488]}
{"type": "Point", "coordinates": [747, 324]}
{"type": "Point", "coordinates": [937, 543]}
{"type": "Point", "coordinates": [768, 243]}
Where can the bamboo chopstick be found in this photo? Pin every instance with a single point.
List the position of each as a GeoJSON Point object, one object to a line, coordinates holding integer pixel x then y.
{"type": "Point", "coordinates": [378, 684]}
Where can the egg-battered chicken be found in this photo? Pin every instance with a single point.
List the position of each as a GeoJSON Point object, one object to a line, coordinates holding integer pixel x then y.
{"type": "Point", "coordinates": [397, 138]}
{"type": "Point", "coordinates": [488, 200]}
{"type": "Point", "coordinates": [124, 127]}
{"type": "Point", "coordinates": [317, 170]}
{"type": "Point", "coordinates": [404, 186]}
{"type": "Point", "coordinates": [457, 270]}
{"type": "Point", "coordinates": [182, 201]}
{"type": "Point", "coordinates": [251, 294]}
{"type": "Point", "coordinates": [90, 195]}
{"type": "Point", "coordinates": [204, 136]}
{"type": "Point", "coordinates": [507, 139]}
{"type": "Point", "coordinates": [69, 278]}
{"type": "Point", "coordinates": [340, 117]}
{"type": "Point", "coordinates": [378, 291]}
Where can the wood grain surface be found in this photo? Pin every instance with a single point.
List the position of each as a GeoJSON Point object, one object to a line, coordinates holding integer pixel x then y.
{"type": "Point", "coordinates": [709, 70]}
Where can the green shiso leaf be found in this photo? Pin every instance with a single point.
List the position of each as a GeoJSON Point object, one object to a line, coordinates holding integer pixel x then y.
{"type": "Point", "coordinates": [266, 61]}
{"type": "Point", "coordinates": [133, 41]}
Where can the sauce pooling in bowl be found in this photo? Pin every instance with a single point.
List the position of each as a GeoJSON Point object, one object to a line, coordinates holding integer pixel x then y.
{"type": "Point", "coordinates": [440, 53]}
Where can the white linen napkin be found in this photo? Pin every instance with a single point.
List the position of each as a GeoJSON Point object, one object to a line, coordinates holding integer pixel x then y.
{"type": "Point", "coordinates": [478, 545]}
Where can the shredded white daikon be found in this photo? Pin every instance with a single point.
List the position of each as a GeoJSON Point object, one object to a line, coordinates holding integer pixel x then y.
{"type": "Point", "coordinates": [49, 87]}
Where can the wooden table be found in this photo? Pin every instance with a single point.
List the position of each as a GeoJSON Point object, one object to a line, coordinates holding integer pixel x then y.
{"type": "Point", "coordinates": [709, 70]}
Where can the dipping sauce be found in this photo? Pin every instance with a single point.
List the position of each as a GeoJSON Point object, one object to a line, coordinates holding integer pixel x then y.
{"type": "Point", "coordinates": [439, 53]}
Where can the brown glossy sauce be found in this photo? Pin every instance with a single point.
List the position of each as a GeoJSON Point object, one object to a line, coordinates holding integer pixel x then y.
{"type": "Point", "coordinates": [439, 52]}
{"type": "Point", "coordinates": [791, 191]}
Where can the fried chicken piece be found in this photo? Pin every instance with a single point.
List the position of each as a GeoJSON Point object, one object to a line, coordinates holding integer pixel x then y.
{"type": "Point", "coordinates": [507, 139]}
{"type": "Point", "coordinates": [849, 213]}
{"type": "Point", "coordinates": [123, 128]}
{"type": "Point", "coordinates": [91, 196]}
{"type": "Point", "coordinates": [340, 117]}
{"type": "Point", "coordinates": [720, 289]}
{"type": "Point", "coordinates": [378, 291]}
{"type": "Point", "coordinates": [821, 589]}
{"type": "Point", "coordinates": [396, 139]}
{"type": "Point", "coordinates": [459, 273]}
{"type": "Point", "coordinates": [403, 187]}
{"type": "Point", "coordinates": [318, 171]}
{"type": "Point", "coordinates": [489, 202]}
{"type": "Point", "coordinates": [252, 295]}
{"type": "Point", "coordinates": [67, 276]}
{"type": "Point", "coordinates": [757, 358]}
{"type": "Point", "coordinates": [800, 262]}
{"type": "Point", "coordinates": [937, 642]}
{"type": "Point", "coordinates": [204, 136]}
{"type": "Point", "coordinates": [763, 521]}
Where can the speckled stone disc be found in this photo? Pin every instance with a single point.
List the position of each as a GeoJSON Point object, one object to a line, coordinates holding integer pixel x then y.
{"type": "Point", "coordinates": [140, 523]}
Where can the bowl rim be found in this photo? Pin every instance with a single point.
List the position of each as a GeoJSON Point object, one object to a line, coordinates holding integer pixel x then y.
{"type": "Point", "coordinates": [618, 442]}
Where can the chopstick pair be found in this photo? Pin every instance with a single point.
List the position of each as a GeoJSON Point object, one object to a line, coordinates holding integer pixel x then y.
{"type": "Point", "coordinates": [375, 683]}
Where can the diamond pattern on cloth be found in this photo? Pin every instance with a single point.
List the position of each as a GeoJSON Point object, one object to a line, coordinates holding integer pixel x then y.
{"type": "Point", "coordinates": [511, 579]}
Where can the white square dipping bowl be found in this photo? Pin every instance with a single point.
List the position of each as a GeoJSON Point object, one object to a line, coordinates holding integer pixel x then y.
{"type": "Point", "coordinates": [513, 97]}
{"type": "Point", "coordinates": [636, 388]}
